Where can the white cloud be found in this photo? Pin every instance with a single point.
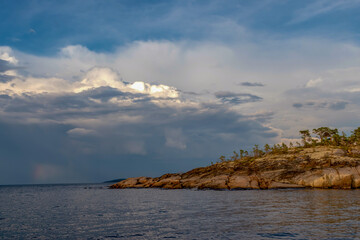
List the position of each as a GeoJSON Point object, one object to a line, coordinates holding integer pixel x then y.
{"type": "Point", "coordinates": [155, 90]}
{"type": "Point", "coordinates": [80, 131]}
{"type": "Point", "coordinates": [77, 52]}
{"type": "Point", "coordinates": [98, 112]}
{"type": "Point", "coordinates": [314, 82]}
{"type": "Point", "coordinates": [94, 78]}
{"type": "Point", "coordinates": [99, 77]}
{"type": "Point", "coordinates": [7, 55]}
{"type": "Point", "coordinates": [164, 71]}
{"type": "Point", "coordinates": [320, 7]}
{"type": "Point", "coordinates": [21, 85]}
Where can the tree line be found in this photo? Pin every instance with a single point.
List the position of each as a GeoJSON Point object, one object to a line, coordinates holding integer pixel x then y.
{"type": "Point", "coordinates": [324, 136]}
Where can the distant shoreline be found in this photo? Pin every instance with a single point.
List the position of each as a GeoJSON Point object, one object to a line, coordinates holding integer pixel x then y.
{"type": "Point", "coordinates": [114, 180]}
{"type": "Point", "coordinates": [46, 184]}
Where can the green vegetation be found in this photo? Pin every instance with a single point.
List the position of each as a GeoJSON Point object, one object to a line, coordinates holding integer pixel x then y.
{"type": "Point", "coordinates": [323, 136]}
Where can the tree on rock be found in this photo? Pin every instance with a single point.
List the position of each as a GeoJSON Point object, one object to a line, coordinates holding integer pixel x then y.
{"type": "Point", "coordinates": [355, 137]}
{"type": "Point", "coordinates": [305, 136]}
{"type": "Point", "coordinates": [325, 134]}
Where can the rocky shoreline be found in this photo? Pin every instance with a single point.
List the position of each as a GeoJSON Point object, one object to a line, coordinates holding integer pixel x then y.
{"type": "Point", "coordinates": [318, 167]}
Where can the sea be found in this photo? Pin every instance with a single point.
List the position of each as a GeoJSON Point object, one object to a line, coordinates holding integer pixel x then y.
{"type": "Point", "coordinates": [92, 211]}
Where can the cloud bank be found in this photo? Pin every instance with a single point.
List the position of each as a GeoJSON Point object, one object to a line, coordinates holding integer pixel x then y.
{"type": "Point", "coordinates": [67, 128]}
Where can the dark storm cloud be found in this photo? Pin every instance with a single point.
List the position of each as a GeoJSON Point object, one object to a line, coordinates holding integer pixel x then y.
{"type": "Point", "coordinates": [5, 78]}
{"type": "Point", "coordinates": [340, 105]}
{"type": "Point", "coordinates": [106, 93]}
{"type": "Point", "coordinates": [327, 104]}
{"type": "Point", "coordinates": [191, 93]}
{"type": "Point", "coordinates": [60, 107]}
{"type": "Point", "coordinates": [56, 131]}
{"type": "Point", "coordinates": [262, 116]}
{"type": "Point", "coordinates": [252, 84]}
{"type": "Point", "coordinates": [23, 146]}
{"type": "Point", "coordinates": [5, 66]}
{"type": "Point", "coordinates": [237, 98]}
{"type": "Point", "coordinates": [69, 105]}
{"type": "Point", "coordinates": [5, 97]}
{"type": "Point", "coordinates": [297, 105]}
{"type": "Point", "coordinates": [321, 99]}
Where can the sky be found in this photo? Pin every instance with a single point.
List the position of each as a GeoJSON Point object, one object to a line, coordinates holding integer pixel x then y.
{"type": "Point", "coordinates": [96, 90]}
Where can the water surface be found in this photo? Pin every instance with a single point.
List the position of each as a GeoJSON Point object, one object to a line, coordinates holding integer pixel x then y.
{"type": "Point", "coordinates": [91, 211]}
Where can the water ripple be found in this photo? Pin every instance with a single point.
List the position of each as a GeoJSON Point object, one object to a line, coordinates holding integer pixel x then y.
{"type": "Point", "coordinates": [95, 212]}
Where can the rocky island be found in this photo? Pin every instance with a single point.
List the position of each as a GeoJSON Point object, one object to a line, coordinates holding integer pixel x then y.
{"type": "Point", "coordinates": [329, 161]}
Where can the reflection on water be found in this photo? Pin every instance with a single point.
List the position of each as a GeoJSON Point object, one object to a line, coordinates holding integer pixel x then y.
{"type": "Point", "coordinates": [95, 212]}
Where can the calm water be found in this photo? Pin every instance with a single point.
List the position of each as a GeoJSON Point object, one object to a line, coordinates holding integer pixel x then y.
{"type": "Point", "coordinates": [95, 212]}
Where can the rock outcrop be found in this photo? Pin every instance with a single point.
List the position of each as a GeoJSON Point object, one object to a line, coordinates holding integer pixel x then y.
{"type": "Point", "coordinates": [320, 167]}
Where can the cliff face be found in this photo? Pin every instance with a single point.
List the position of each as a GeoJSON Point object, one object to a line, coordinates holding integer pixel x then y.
{"type": "Point", "coordinates": [320, 167]}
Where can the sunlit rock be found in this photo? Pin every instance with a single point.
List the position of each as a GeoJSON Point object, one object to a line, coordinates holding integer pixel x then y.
{"type": "Point", "coordinates": [320, 167]}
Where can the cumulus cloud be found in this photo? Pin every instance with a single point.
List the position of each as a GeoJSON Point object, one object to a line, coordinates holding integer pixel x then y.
{"type": "Point", "coordinates": [99, 77]}
{"type": "Point", "coordinates": [95, 78]}
{"type": "Point", "coordinates": [6, 54]}
{"type": "Point", "coordinates": [313, 82]}
{"type": "Point", "coordinates": [98, 113]}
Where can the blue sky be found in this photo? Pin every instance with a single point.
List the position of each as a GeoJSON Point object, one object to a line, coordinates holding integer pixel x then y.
{"type": "Point", "coordinates": [43, 27]}
{"type": "Point", "coordinates": [94, 90]}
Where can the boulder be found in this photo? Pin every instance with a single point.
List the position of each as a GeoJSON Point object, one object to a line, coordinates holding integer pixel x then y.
{"type": "Point", "coordinates": [217, 182]}
{"type": "Point", "coordinates": [239, 182]}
